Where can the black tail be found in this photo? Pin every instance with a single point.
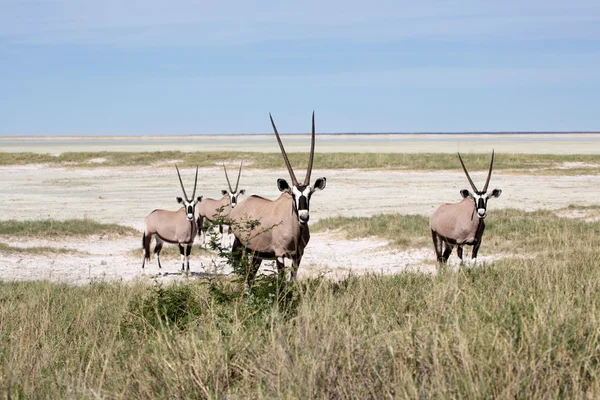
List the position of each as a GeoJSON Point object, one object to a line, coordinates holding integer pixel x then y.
{"type": "Point", "coordinates": [146, 247]}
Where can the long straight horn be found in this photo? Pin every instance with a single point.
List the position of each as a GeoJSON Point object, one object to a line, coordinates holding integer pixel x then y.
{"type": "Point", "coordinates": [312, 153]}
{"type": "Point", "coordinates": [487, 182]}
{"type": "Point", "coordinates": [467, 173]}
{"type": "Point", "coordinates": [239, 174]}
{"type": "Point", "coordinates": [195, 182]}
{"type": "Point", "coordinates": [182, 188]}
{"type": "Point", "coordinates": [285, 157]}
{"type": "Point", "coordinates": [227, 177]}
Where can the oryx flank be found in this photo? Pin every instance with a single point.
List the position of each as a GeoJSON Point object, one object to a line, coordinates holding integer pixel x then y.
{"type": "Point", "coordinates": [283, 231]}
{"type": "Point", "coordinates": [210, 209]}
{"type": "Point", "coordinates": [173, 227]}
{"type": "Point", "coordinates": [461, 223]}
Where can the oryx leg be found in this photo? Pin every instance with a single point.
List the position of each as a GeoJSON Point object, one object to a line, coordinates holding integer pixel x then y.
{"type": "Point", "coordinates": [182, 256]}
{"type": "Point", "coordinates": [478, 242]}
{"type": "Point", "coordinates": [188, 251]}
{"type": "Point", "coordinates": [225, 236]}
{"type": "Point", "coordinates": [295, 266]}
{"type": "Point", "coordinates": [254, 266]}
{"type": "Point", "coordinates": [237, 252]}
{"type": "Point", "coordinates": [447, 251]}
{"type": "Point", "coordinates": [157, 249]}
{"type": "Point", "coordinates": [201, 234]}
{"type": "Point", "coordinates": [475, 250]}
{"type": "Point", "coordinates": [280, 262]}
{"type": "Point", "coordinates": [459, 252]}
{"type": "Point", "coordinates": [222, 230]}
{"type": "Point", "coordinates": [437, 244]}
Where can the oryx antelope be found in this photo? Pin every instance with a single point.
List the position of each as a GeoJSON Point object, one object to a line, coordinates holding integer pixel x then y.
{"type": "Point", "coordinates": [173, 227]}
{"type": "Point", "coordinates": [462, 223]}
{"type": "Point", "coordinates": [283, 231]}
{"type": "Point", "coordinates": [210, 209]}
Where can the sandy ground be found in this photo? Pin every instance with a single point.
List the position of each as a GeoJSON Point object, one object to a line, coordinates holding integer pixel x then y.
{"type": "Point", "coordinates": [126, 195]}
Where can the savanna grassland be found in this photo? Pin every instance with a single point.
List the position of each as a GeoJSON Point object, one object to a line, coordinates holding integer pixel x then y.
{"type": "Point", "coordinates": [524, 326]}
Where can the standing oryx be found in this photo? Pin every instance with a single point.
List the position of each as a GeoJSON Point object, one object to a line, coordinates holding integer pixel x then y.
{"type": "Point", "coordinates": [461, 223]}
{"type": "Point", "coordinates": [173, 227]}
{"type": "Point", "coordinates": [283, 230]}
{"type": "Point", "coordinates": [210, 209]}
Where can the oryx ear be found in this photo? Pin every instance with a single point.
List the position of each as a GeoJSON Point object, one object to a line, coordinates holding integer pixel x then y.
{"type": "Point", "coordinates": [199, 199]}
{"type": "Point", "coordinates": [243, 191]}
{"type": "Point", "coordinates": [179, 200]}
{"type": "Point", "coordinates": [495, 193]}
{"type": "Point", "coordinates": [223, 192]}
{"type": "Point", "coordinates": [320, 183]}
{"type": "Point", "coordinates": [283, 186]}
{"type": "Point", "coordinates": [465, 193]}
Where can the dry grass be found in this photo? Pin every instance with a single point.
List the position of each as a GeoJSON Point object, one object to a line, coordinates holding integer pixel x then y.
{"type": "Point", "coordinates": [58, 228]}
{"type": "Point", "coordinates": [544, 164]}
{"type": "Point", "coordinates": [6, 249]}
{"type": "Point", "coordinates": [525, 328]}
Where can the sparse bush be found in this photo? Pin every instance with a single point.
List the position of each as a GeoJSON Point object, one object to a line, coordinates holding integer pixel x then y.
{"type": "Point", "coordinates": [260, 291]}
{"type": "Point", "coordinates": [165, 307]}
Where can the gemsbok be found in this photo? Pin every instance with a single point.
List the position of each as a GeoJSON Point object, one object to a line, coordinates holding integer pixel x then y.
{"type": "Point", "coordinates": [283, 231]}
{"type": "Point", "coordinates": [462, 223]}
{"type": "Point", "coordinates": [210, 209]}
{"type": "Point", "coordinates": [173, 227]}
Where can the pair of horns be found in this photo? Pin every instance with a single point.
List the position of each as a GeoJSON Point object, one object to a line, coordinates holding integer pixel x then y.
{"type": "Point", "coordinates": [487, 182]}
{"type": "Point", "coordinates": [238, 179]}
{"type": "Point", "coordinates": [285, 157]}
{"type": "Point", "coordinates": [182, 188]}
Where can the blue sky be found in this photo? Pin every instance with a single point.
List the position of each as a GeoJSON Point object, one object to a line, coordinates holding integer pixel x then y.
{"type": "Point", "coordinates": [115, 67]}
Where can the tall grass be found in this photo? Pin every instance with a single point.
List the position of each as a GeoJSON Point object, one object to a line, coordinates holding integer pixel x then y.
{"type": "Point", "coordinates": [519, 328]}
{"type": "Point", "coordinates": [525, 328]}
{"type": "Point", "coordinates": [538, 163]}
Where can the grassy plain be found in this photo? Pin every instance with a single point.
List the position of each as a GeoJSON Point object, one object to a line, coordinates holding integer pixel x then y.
{"type": "Point", "coordinates": [507, 230]}
{"type": "Point", "coordinates": [546, 164]}
{"type": "Point", "coordinates": [520, 327]}
{"type": "Point", "coordinates": [54, 228]}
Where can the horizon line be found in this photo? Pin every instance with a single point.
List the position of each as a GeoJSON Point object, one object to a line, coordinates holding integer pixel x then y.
{"type": "Point", "coordinates": [541, 132]}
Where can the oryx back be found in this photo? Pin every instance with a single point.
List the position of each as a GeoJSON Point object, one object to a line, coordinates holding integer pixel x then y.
{"type": "Point", "coordinates": [278, 234]}
{"type": "Point", "coordinates": [456, 223]}
{"type": "Point", "coordinates": [171, 226]}
{"type": "Point", "coordinates": [211, 209]}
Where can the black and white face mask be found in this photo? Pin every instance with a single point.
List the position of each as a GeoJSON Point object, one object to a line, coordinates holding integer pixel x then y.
{"type": "Point", "coordinates": [301, 195]}
{"type": "Point", "coordinates": [233, 196]}
{"type": "Point", "coordinates": [481, 200]}
{"type": "Point", "coordinates": [190, 207]}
